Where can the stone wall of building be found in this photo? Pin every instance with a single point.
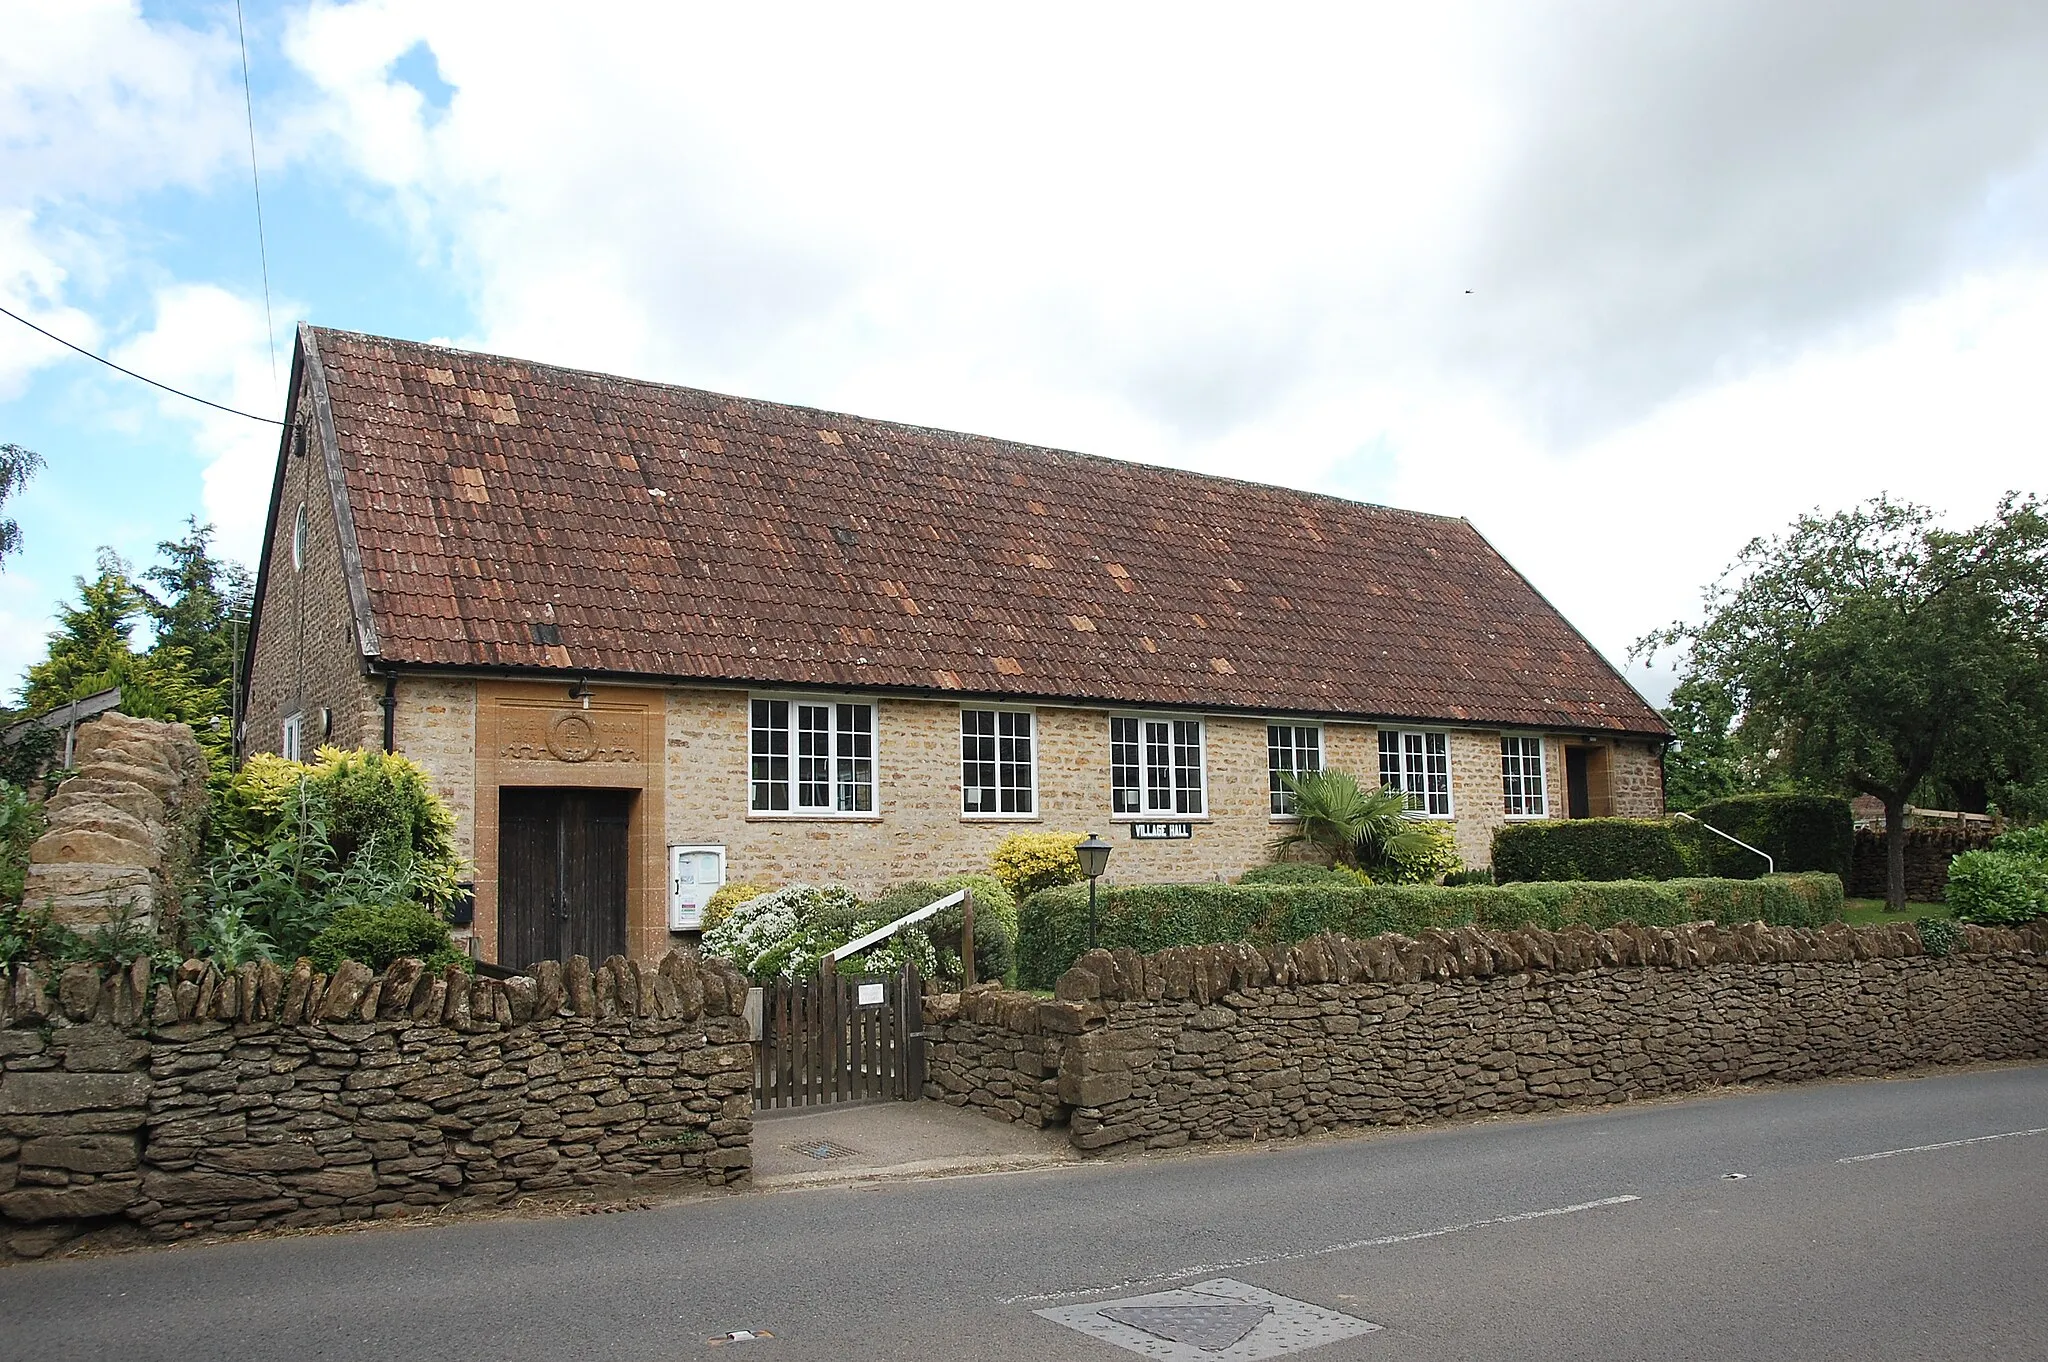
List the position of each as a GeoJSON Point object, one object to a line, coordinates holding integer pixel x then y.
{"type": "Point", "coordinates": [1636, 779]}
{"type": "Point", "coordinates": [308, 657]}
{"type": "Point", "coordinates": [217, 1103]}
{"type": "Point", "coordinates": [124, 831]}
{"type": "Point", "coordinates": [1928, 852]}
{"type": "Point", "coordinates": [1227, 1042]}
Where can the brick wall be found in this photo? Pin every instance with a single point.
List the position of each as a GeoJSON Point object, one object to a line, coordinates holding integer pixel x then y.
{"type": "Point", "coordinates": [223, 1103]}
{"type": "Point", "coordinates": [308, 657]}
{"type": "Point", "coordinates": [1227, 1042]}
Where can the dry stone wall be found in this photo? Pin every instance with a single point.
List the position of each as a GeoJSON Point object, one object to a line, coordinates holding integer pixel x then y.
{"type": "Point", "coordinates": [1229, 1042]}
{"type": "Point", "coordinates": [222, 1102]}
{"type": "Point", "coordinates": [1928, 852]}
{"type": "Point", "coordinates": [124, 831]}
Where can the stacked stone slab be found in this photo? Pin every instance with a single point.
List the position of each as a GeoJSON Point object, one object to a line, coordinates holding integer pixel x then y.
{"type": "Point", "coordinates": [222, 1101]}
{"type": "Point", "coordinates": [124, 831]}
{"type": "Point", "coordinates": [1232, 1042]}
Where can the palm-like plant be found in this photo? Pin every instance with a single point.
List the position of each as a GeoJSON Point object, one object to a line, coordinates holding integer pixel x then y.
{"type": "Point", "coordinates": [1352, 826]}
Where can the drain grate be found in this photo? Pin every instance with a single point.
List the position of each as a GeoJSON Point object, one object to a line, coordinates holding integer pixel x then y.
{"type": "Point", "coordinates": [1220, 1320]}
{"type": "Point", "coordinates": [822, 1149]}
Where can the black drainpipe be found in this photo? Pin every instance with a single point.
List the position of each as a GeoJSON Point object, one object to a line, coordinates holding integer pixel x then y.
{"type": "Point", "coordinates": [390, 704]}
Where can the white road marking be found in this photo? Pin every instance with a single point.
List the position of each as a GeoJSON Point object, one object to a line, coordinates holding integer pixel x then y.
{"type": "Point", "coordinates": [1383, 1241]}
{"type": "Point", "coordinates": [1945, 1144]}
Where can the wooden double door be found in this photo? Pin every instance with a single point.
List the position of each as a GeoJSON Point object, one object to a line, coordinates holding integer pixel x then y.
{"type": "Point", "coordinates": [562, 861]}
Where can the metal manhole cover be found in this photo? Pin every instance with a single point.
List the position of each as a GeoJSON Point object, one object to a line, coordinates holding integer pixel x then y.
{"type": "Point", "coordinates": [1220, 1320]}
{"type": "Point", "coordinates": [822, 1149]}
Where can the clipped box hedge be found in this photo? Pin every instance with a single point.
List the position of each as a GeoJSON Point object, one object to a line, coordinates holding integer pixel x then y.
{"type": "Point", "coordinates": [1589, 849]}
{"type": "Point", "coordinates": [1801, 832]}
{"type": "Point", "coordinates": [1151, 917]}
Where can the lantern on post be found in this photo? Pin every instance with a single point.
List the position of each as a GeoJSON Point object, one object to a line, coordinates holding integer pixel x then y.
{"type": "Point", "coordinates": [1094, 857]}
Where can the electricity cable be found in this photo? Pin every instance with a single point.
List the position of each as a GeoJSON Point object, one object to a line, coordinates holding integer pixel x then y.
{"type": "Point", "coordinates": [255, 183]}
{"type": "Point", "coordinates": [175, 392]}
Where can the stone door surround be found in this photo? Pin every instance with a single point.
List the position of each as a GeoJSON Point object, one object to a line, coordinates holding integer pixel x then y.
{"type": "Point", "coordinates": [535, 734]}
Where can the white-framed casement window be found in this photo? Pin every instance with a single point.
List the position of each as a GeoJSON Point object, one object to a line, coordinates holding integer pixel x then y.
{"type": "Point", "coordinates": [1155, 767]}
{"type": "Point", "coordinates": [288, 742]}
{"type": "Point", "coordinates": [1291, 749]}
{"type": "Point", "coordinates": [1521, 777]}
{"type": "Point", "coordinates": [811, 756]}
{"type": "Point", "coordinates": [998, 770]}
{"type": "Point", "coordinates": [1419, 766]}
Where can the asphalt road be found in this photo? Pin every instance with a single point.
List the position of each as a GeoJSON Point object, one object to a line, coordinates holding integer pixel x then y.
{"type": "Point", "coordinates": [1930, 1253]}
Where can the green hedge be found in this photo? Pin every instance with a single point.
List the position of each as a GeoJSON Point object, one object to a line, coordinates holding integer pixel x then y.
{"type": "Point", "coordinates": [1151, 917]}
{"type": "Point", "coordinates": [1589, 849]}
{"type": "Point", "coordinates": [1801, 831]}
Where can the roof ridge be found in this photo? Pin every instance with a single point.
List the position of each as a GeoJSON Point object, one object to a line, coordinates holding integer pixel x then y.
{"type": "Point", "coordinates": [946, 431]}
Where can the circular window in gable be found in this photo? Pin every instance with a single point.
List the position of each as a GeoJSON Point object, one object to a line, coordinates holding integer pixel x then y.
{"type": "Point", "coordinates": [299, 538]}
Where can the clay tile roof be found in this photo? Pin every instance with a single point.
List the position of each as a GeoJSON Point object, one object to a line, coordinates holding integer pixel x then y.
{"type": "Point", "coordinates": [514, 515]}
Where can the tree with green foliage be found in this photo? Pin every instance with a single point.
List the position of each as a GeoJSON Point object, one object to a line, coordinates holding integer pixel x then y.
{"type": "Point", "coordinates": [200, 606]}
{"type": "Point", "coordinates": [1870, 649]}
{"type": "Point", "coordinates": [1705, 763]}
{"type": "Point", "coordinates": [17, 466]}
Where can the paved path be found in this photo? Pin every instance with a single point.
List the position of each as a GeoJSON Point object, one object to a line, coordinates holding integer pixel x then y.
{"type": "Point", "coordinates": [1819, 1251]}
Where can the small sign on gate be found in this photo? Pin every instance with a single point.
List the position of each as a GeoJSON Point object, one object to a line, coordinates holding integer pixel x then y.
{"type": "Point", "coordinates": [873, 995]}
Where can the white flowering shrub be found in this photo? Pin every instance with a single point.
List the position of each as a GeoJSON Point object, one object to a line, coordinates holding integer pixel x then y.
{"type": "Point", "coordinates": [785, 934]}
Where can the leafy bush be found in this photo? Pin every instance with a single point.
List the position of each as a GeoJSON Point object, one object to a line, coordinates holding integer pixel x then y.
{"type": "Point", "coordinates": [1469, 876]}
{"type": "Point", "coordinates": [1426, 855]}
{"type": "Point", "coordinates": [729, 896]}
{"type": "Point", "coordinates": [786, 934]}
{"type": "Point", "coordinates": [373, 808]}
{"type": "Point", "coordinates": [1302, 872]}
{"type": "Point", "coordinates": [1027, 862]}
{"type": "Point", "coordinates": [995, 924]}
{"type": "Point", "coordinates": [1587, 849]}
{"type": "Point", "coordinates": [227, 937]}
{"type": "Point", "coordinates": [1940, 936]}
{"type": "Point", "coordinates": [1800, 831]}
{"type": "Point", "coordinates": [1995, 886]}
{"type": "Point", "coordinates": [1152, 917]}
{"type": "Point", "coordinates": [375, 934]}
{"type": "Point", "coordinates": [22, 820]}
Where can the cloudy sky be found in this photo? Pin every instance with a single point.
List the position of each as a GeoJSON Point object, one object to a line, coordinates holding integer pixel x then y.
{"type": "Point", "coordinates": [1624, 284]}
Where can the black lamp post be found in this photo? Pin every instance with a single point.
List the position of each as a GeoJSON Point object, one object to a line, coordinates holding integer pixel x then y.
{"type": "Point", "coordinates": [1094, 857]}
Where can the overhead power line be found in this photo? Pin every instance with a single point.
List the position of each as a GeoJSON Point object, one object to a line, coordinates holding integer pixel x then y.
{"type": "Point", "coordinates": [102, 359]}
{"type": "Point", "coordinates": [262, 251]}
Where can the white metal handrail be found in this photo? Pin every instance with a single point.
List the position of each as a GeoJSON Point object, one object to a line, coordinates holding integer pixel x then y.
{"type": "Point", "coordinates": [1770, 866]}
{"type": "Point", "coordinates": [861, 943]}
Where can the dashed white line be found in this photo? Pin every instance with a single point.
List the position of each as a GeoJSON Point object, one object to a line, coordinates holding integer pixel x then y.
{"type": "Point", "coordinates": [1383, 1241]}
{"type": "Point", "coordinates": [1945, 1144]}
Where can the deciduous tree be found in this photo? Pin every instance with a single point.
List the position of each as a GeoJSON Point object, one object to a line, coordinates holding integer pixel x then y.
{"type": "Point", "coordinates": [1868, 649]}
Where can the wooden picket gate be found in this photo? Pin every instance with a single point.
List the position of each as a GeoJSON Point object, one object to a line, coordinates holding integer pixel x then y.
{"type": "Point", "coordinates": [835, 1039]}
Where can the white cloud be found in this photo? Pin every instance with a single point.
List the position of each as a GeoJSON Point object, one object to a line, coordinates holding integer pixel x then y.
{"type": "Point", "coordinates": [211, 342]}
{"type": "Point", "coordinates": [1724, 263]}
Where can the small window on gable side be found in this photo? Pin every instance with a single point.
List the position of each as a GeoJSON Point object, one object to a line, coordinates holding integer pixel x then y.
{"type": "Point", "coordinates": [299, 538]}
{"type": "Point", "coordinates": [288, 743]}
{"type": "Point", "coordinates": [1419, 766]}
{"type": "Point", "coordinates": [1291, 750]}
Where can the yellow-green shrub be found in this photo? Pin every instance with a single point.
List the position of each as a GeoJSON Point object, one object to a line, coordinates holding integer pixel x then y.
{"type": "Point", "coordinates": [720, 905]}
{"type": "Point", "coordinates": [1027, 862]}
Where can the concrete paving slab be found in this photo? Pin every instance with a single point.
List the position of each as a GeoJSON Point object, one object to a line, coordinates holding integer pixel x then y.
{"type": "Point", "coordinates": [858, 1142]}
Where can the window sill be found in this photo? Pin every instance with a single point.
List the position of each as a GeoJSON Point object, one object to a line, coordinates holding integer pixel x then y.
{"type": "Point", "coordinates": [1526, 817]}
{"type": "Point", "coordinates": [1002, 818]}
{"type": "Point", "coordinates": [811, 816]}
{"type": "Point", "coordinates": [1161, 818]}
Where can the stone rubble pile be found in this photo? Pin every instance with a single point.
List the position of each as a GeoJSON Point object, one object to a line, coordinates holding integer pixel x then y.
{"type": "Point", "coordinates": [219, 1102]}
{"type": "Point", "coordinates": [124, 831]}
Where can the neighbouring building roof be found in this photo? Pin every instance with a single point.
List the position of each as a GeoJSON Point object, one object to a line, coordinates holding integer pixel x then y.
{"type": "Point", "coordinates": [509, 514]}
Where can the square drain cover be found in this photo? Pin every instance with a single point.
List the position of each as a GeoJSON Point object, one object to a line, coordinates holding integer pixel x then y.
{"type": "Point", "coordinates": [1222, 1320]}
{"type": "Point", "coordinates": [822, 1149]}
